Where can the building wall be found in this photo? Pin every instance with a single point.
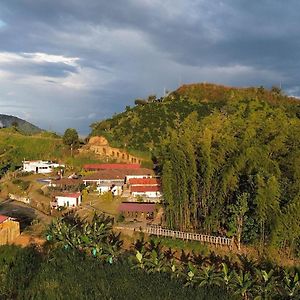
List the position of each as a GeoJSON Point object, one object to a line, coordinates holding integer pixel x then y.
{"type": "Point", "coordinates": [67, 201]}
{"type": "Point", "coordinates": [9, 230]}
{"type": "Point", "coordinates": [100, 146]}
{"type": "Point", "coordinates": [147, 194]}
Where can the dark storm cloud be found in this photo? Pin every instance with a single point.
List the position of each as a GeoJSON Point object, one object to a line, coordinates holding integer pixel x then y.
{"type": "Point", "coordinates": [89, 59]}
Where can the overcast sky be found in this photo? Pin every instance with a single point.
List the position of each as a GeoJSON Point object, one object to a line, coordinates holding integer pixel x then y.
{"type": "Point", "coordinates": [68, 63]}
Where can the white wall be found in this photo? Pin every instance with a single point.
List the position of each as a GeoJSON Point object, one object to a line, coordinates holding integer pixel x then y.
{"type": "Point", "coordinates": [41, 167]}
{"type": "Point", "coordinates": [67, 201]}
{"type": "Point", "coordinates": [147, 194]}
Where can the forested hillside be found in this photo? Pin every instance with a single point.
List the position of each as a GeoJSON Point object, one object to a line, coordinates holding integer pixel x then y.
{"type": "Point", "coordinates": [236, 173]}
{"type": "Point", "coordinates": [20, 124]}
{"type": "Point", "coordinates": [145, 125]}
{"type": "Point", "coordinates": [229, 159]}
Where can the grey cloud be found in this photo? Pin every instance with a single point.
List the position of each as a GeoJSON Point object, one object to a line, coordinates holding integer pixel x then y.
{"type": "Point", "coordinates": [130, 48]}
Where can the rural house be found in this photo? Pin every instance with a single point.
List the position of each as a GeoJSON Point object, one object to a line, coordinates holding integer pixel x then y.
{"type": "Point", "coordinates": [40, 166]}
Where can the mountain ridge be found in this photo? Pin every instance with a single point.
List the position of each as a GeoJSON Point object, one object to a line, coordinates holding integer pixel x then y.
{"type": "Point", "coordinates": [23, 125]}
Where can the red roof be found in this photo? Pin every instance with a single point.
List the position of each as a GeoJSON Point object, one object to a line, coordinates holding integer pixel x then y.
{"type": "Point", "coordinates": [3, 218]}
{"type": "Point", "coordinates": [144, 181]}
{"type": "Point", "coordinates": [145, 188]}
{"type": "Point", "coordinates": [70, 195]}
{"type": "Point", "coordinates": [110, 166]}
{"type": "Point", "coordinates": [137, 207]}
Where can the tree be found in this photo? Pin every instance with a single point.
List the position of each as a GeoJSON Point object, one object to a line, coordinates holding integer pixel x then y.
{"type": "Point", "coordinates": [70, 137]}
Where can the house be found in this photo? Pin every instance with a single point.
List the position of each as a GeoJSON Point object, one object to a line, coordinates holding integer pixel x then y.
{"type": "Point", "coordinates": [9, 229]}
{"type": "Point", "coordinates": [137, 210]}
{"type": "Point", "coordinates": [67, 200]}
{"type": "Point", "coordinates": [146, 191]}
{"type": "Point", "coordinates": [115, 188]}
{"type": "Point", "coordinates": [66, 183]}
{"type": "Point", "coordinates": [116, 176]}
{"type": "Point", "coordinates": [98, 167]}
{"type": "Point", "coordinates": [40, 166]}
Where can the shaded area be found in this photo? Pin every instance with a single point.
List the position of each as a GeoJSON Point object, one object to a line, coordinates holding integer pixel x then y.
{"type": "Point", "coordinates": [25, 215]}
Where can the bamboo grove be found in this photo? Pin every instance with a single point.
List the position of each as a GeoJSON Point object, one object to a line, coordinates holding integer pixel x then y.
{"type": "Point", "coordinates": [235, 172]}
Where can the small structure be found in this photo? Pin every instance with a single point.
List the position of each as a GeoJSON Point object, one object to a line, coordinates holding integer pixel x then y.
{"type": "Point", "coordinates": [9, 229]}
{"type": "Point", "coordinates": [145, 191]}
{"type": "Point", "coordinates": [39, 166]}
{"type": "Point", "coordinates": [67, 200]}
{"type": "Point", "coordinates": [137, 210]}
{"type": "Point", "coordinates": [115, 188]}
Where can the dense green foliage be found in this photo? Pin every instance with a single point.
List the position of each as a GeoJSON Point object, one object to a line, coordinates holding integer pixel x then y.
{"type": "Point", "coordinates": [144, 126]}
{"type": "Point", "coordinates": [70, 137]}
{"type": "Point", "coordinates": [63, 269]}
{"type": "Point", "coordinates": [236, 172]}
{"type": "Point", "coordinates": [62, 274]}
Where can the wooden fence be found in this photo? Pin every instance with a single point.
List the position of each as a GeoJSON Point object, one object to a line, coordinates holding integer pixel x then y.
{"type": "Point", "coordinates": [216, 240]}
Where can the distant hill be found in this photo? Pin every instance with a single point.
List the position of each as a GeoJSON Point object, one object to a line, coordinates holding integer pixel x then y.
{"type": "Point", "coordinates": [146, 124]}
{"type": "Point", "coordinates": [22, 125]}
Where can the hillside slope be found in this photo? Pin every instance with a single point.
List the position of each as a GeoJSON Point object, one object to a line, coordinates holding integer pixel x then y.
{"type": "Point", "coordinates": [22, 125]}
{"type": "Point", "coordinates": [145, 125]}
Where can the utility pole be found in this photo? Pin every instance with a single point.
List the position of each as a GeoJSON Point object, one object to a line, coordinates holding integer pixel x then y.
{"type": "Point", "coordinates": [72, 150]}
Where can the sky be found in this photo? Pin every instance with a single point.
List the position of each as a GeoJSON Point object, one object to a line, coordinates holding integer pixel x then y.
{"type": "Point", "coordinates": [69, 63]}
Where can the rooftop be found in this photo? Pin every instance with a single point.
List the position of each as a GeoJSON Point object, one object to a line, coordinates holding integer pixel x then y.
{"type": "Point", "coordinates": [118, 174]}
{"type": "Point", "coordinates": [3, 218]}
{"type": "Point", "coordinates": [144, 181]}
{"type": "Point", "coordinates": [145, 188]}
{"type": "Point", "coordinates": [136, 207]}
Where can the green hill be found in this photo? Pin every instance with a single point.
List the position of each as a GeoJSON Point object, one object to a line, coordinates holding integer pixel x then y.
{"type": "Point", "coordinates": [22, 125]}
{"type": "Point", "coordinates": [14, 147]}
{"type": "Point", "coordinates": [146, 124]}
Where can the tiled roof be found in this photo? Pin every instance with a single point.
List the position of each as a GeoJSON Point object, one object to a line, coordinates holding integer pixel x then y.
{"type": "Point", "coordinates": [145, 188]}
{"type": "Point", "coordinates": [111, 166]}
{"type": "Point", "coordinates": [3, 218]}
{"type": "Point", "coordinates": [118, 174]}
{"type": "Point", "coordinates": [136, 207]}
{"type": "Point", "coordinates": [144, 181]}
{"type": "Point", "coordinates": [69, 195]}
{"type": "Point", "coordinates": [67, 181]}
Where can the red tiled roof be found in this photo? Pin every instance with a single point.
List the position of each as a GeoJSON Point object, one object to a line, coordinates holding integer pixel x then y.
{"type": "Point", "coordinates": [144, 181]}
{"type": "Point", "coordinates": [145, 188]}
{"type": "Point", "coordinates": [70, 195]}
{"type": "Point", "coordinates": [136, 207]}
{"type": "Point", "coordinates": [3, 218]}
{"type": "Point", "coordinates": [111, 166]}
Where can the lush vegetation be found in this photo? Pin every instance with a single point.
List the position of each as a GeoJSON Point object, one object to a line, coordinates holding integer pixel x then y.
{"type": "Point", "coordinates": [236, 173]}
{"type": "Point", "coordinates": [68, 268]}
{"type": "Point", "coordinates": [144, 126]}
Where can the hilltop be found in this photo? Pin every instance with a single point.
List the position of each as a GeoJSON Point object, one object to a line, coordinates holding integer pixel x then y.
{"type": "Point", "coordinates": [22, 125]}
{"type": "Point", "coordinates": [143, 126]}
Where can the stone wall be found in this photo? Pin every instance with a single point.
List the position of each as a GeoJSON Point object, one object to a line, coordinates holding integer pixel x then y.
{"type": "Point", "coordinates": [100, 146]}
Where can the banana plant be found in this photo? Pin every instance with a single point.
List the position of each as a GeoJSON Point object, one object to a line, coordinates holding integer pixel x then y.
{"type": "Point", "coordinates": [227, 275]}
{"type": "Point", "coordinates": [242, 284]}
{"type": "Point", "coordinates": [208, 277]}
{"type": "Point", "coordinates": [191, 275]}
{"type": "Point", "coordinates": [266, 287]}
{"type": "Point", "coordinates": [291, 285]}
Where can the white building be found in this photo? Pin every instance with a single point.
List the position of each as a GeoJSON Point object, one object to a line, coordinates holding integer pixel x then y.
{"type": "Point", "coordinates": [69, 200]}
{"type": "Point", "coordinates": [116, 188]}
{"type": "Point", "coordinates": [40, 166]}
